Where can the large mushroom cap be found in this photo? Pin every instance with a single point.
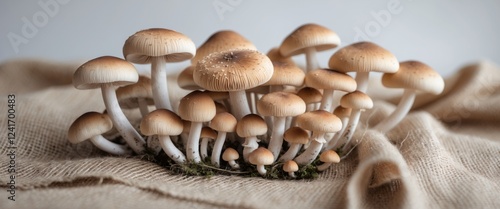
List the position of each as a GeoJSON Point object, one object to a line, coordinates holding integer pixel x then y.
{"type": "Point", "coordinates": [261, 156]}
{"type": "Point", "coordinates": [88, 125]}
{"type": "Point", "coordinates": [251, 125]}
{"type": "Point", "coordinates": [330, 79]}
{"type": "Point", "coordinates": [309, 35]}
{"type": "Point", "coordinates": [161, 122]}
{"type": "Point", "coordinates": [197, 106]}
{"type": "Point", "coordinates": [233, 70]}
{"type": "Point", "coordinates": [363, 57]}
{"type": "Point", "coordinates": [158, 42]}
{"type": "Point", "coordinates": [105, 70]}
{"type": "Point", "coordinates": [319, 121]}
{"type": "Point", "coordinates": [281, 104]}
{"type": "Point", "coordinates": [415, 75]}
{"type": "Point", "coordinates": [356, 100]}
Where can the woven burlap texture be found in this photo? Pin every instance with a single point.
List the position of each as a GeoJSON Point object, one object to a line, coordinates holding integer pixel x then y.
{"type": "Point", "coordinates": [444, 154]}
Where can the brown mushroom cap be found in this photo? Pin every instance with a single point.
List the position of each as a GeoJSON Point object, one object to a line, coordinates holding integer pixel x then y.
{"type": "Point", "coordinates": [415, 75]}
{"type": "Point", "coordinates": [356, 100]}
{"type": "Point", "coordinates": [161, 122]}
{"type": "Point", "coordinates": [251, 125]}
{"type": "Point", "coordinates": [319, 121]}
{"type": "Point", "coordinates": [329, 156]}
{"type": "Point", "coordinates": [197, 107]}
{"type": "Point", "coordinates": [286, 74]}
{"type": "Point", "coordinates": [281, 104]}
{"type": "Point", "coordinates": [310, 95]}
{"type": "Point", "coordinates": [296, 135]}
{"type": "Point", "coordinates": [275, 56]}
{"type": "Point", "coordinates": [127, 95]}
{"type": "Point", "coordinates": [309, 35]}
{"type": "Point", "coordinates": [261, 156]}
{"type": "Point", "coordinates": [88, 125]}
{"type": "Point", "coordinates": [103, 70]}
{"type": "Point", "coordinates": [330, 79]}
{"type": "Point", "coordinates": [185, 79]}
{"type": "Point", "coordinates": [342, 112]}
{"type": "Point", "coordinates": [230, 154]}
{"type": "Point", "coordinates": [224, 121]}
{"type": "Point", "coordinates": [233, 71]}
{"type": "Point", "coordinates": [363, 57]}
{"type": "Point", "coordinates": [207, 132]}
{"type": "Point", "coordinates": [290, 166]}
{"type": "Point", "coordinates": [158, 42]}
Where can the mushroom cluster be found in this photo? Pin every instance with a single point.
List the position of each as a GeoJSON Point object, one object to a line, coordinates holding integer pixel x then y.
{"type": "Point", "coordinates": [242, 102]}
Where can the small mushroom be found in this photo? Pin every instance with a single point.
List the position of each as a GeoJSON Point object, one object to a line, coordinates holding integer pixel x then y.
{"type": "Point", "coordinates": [230, 155]}
{"type": "Point", "coordinates": [250, 127]}
{"type": "Point", "coordinates": [136, 95]}
{"type": "Point", "coordinates": [296, 137]}
{"type": "Point", "coordinates": [290, 167]}
{"type": "Point", "coordinates": [223, 123]}
{"type": "Point", "coordinates": [206, 135]}
{"type": "Point", "coordinates": [285, 74]}
{"type": "Point", "coordinates": [329, 80]}
{"type": "Point", "coordinates": [92, 125]}
{"type": "Point", "coordinates": [311, 97]}
{"type": "Point", "coordinates": [358, 102]}
{"type": "Point", "coordinates": [185, 79]}
{"type": "Point", "coordinates": [343, 114]}
{"type": "Point", "coordinates": [328, 157]}
{"type": "Point", "coordinates": [261, 157]}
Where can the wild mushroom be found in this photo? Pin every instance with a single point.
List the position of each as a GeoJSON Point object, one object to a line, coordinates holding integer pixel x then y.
{"type": "Point", "coordinates": [296, 137]}
{"type": "Point", "coordinates": [107, 73]}
{"type": "Point", "coordinates": [413, 76]}
{"type": "Point", "coordinates": [261, 157]}
{"type": "Point", "coordinates": [329, 80]}
{"type": "Point", "coordinates": [92, 125]}
{"type": "Point", "coordinates": [136, 95]}
{"type": "Point", "coordinates": [328, 157]}
{"type": "Point", "coordinates": [343, 114]}
{"type": "Point", "coordinates": [279, 105]}
{"type": "Point", "coordinates": [319, 122]}
{"type": "Point", "coordinates": [285, 74]}
{"type": "Point", "coordinates": [223, 123]}
{"type": "Point", "coordinates": [158, 46]}
{"type": "Point", "coordinates": [309, 39]}
{"type": "Point", "coordinates": [164, 123]}
{"type": "Point", "coordinates": [358, 102]}
{"type": "Point", "coordinates": [230, 155]}
{"type": "Point", "coordinates": [311, 97]}
{"type": "Point", "coordinates": [206, 135]}
{"type": "Point", "coordinates": [234, 72]}
{"type": "Point", "coordinates": [249, 127]}
{"type": "Point", "coordinates": [290, 167]}
{"type": "Point", "coordinates": [363, 58]}
{"type": "Point", "coordinates": [185, 79]}
{"type": "Point", "coordinates": [275, 56]}
{"type": "Point", "coordinates": [198, 108]}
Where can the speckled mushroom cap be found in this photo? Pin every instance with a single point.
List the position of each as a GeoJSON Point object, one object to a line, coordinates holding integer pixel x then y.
{"type": "Point", "coordinates": [161, 122]}
{"type": "Point", "coordinates": [363, 57]}
{"type": "Point", "coordinates": [319, 121]}
{"type": "Point", "coordinates": [197, 107]}
{"type": "Point", "coordinates": [185, 79]}
{"type": "Point", "coordinates": [309, 35]}
{"type": "Point", "coordinates": [158, 42]}
{"type": "Point", "coordinates": [329, 156]}
{"type": "Point", "coordinates": [281, 104]}
{"type": "Point", "coordinates": [296, 135]}
{"type": "Point", "coordinates": [224, 40]}
{"type": "Point", "coordinates": [233, 70]}
{"type": "Point", "coordinates": [88, 125]}
{"type": "Point", "coordinates": [310, 95]}
{"type": "Point", "coordinates": [356, 100]}
{"type": "Point", "coordinates": [105, 70]}
{"type": "Point", "coordinates": [224, 121]}
{"type": "Point", "coordinates": [127, 95]}
{"type": "Point", "coordinates": [261, 156]}
{"type": "Point", "coordinates": [415, 75]}
{"type": "Point", "coordinates": [251, 125]}
{"type": "Point", "coordinates": [286, 74]}
{"type": "Point", "coordinates": [330, 79]}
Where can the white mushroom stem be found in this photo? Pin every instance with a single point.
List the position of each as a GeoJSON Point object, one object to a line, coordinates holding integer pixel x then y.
{"type": "Point", "coordinates": [233, 164]}
{"type": "Point", "coordinates": [311, 107]}
{"type": "Point", "coordinates": [193, 143]}
{"type": "Point", "coordinates": [120, 122]}
{"type": "Point", "coordinates": [204, 147]}
{"type": "Point", "coordinates": [292, 174]}
{"type": "Point", "coordinates": [310, 154]}
{"type": "Point", "coordinates": [362, 81]}
{"type": "Point", "coordinates": [107, 146]}
{"type": "Point", "coordinates": [311, 60]}
{"type": "Point", "coordinates": [399, 113]}
{"type": "Point", "coordinates": [323, 166]}
{"type": "Point", "coordinates": [276, 140]}
{"type": "Point", "coordinates": [290, 153]}
{"type": "Point", "coordinates": [216, 152]}
{"type": "Point", "coordinates": [327, 100]}
{"type": "Point", "coordinates": [249, 146]}
{"type": "Point", "coordinates": [239, 104]}
{"type": "Point", "coordinates": [251, 102]}
{"type": "Point", "coordinates": [262, 170]}
{"type": "Point", "coordinates": [335, 139]}
{"type": "Point", "coordinates": [170, 149]}
{"type": "Point", "coordinates": [351, 127]}
{"type": "Point", "coordinates": [143, 106]}
{"type": "Point", "coordinates": [159, 83]}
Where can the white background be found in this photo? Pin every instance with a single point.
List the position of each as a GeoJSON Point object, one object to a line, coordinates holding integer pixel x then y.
{"type": "Point", "coordinates": [445, 34]}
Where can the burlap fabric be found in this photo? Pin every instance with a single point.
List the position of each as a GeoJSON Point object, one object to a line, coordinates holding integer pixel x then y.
{"type": "Point", "coordinates": [445, 154]}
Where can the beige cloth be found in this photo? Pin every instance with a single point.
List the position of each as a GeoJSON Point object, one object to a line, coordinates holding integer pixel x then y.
{"type": "Point", "coordinates": [445, 154]}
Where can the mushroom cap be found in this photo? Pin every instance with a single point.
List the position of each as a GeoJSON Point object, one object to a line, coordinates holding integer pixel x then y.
{"type": "Point", "coordinates": [105, 70]}
{"type": "Point", "coordinates": [356, 100]}
{"type": "Point", "coordinates": [342, 112]}
{"type": "Point", "coordinates": [363, 57]}
{"type": "Point", "coordinates": [209, 133]}
{"type": "Point", "coordinates": [251, 125]}
{"type": "Point", "coordinates": [281, 104]}
{"type": "Point", "coordinates": [127, 95]}
{"type": "Point", "coordinates": [310, 95]}
{"type": "Point", "coordinates": [261, 156]}
{"type": "Point", "coordinates": [224, 122]}
{"type": "Point", "coordinates": [88, 125]}
{"type": "Point", "coordinates": [185, 79]}
{"type": "Point", "coordinates": [197, 107]}
{"type": "Point", "coordinates": [173, 46]}
{"type": "Point", "coordinates": [233, 70]}
{"type": "Point", "coordinates": [330, 79]}
{"type": "Point", "coordinates": [319, 121]}
{"type": "Point", "coordinates": [296, 135]}
{"type": "Point", "coordinates": [286, 74]}
{"type": "Point", "coordinates": [275, 56]}
{"type": "Point", "coordinates": [415, 75]}
{"type": "Point", "coordinates": [230, 154]}
{"type": "Point", "coordinates": [224, 40]}
{"type": "Point", "coordinates": [161, 122]}
{"type": "Point", "coordinates": [290, 166]}
{"type": "Point", "coordinates": [309, 35]}
{"type": "Point", "coordinates": [329, 156]}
